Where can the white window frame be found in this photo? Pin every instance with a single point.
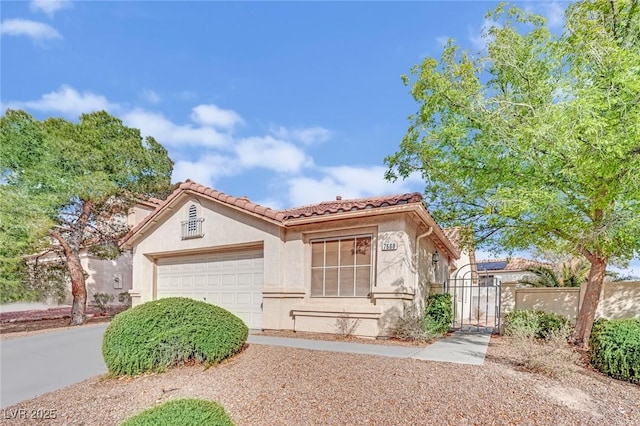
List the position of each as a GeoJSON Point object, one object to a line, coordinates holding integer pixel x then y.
{"type": "Point", "coordinates": [338, 267]}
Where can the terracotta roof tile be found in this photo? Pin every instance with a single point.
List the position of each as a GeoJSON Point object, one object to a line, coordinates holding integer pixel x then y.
{"type": "Point", "coordinates": [320, 209]}
{"type": "Point", "coordinates": [340, 206]}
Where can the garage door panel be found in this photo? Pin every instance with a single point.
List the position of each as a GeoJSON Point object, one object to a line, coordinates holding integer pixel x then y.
{"type": "Point", "coordinates": [257, 280]}
{"type": "Point", "coordinates": [228, 280]}
{"type": "Point", "coordinates": [232, 281]}
{"type": "Point", "coordinates": [245, 279]}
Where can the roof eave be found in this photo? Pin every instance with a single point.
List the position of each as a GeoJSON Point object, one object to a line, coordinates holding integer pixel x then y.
{"type": "Point", "coordinates": [417, 208]}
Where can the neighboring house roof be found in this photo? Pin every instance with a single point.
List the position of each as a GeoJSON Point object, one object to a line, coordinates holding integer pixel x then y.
{"type": "Point", "coordinates": [293, 216]}
{"type": "Point", "coordinates": [511, 264]}
{"type": "Point", "coordinates": [149, 201]}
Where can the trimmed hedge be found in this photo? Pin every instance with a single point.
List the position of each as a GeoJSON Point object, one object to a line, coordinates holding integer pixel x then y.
{"type": "Point", "coordinates": [183, 412]}
{"type": "Point", "coordinates": [538, 323]}
{"type": "Point", "coordinates": [614, 348]}
{"type": "Point", "coordinates": [438, 313]}
{"type": "Point", "coordinates": [166, 332]}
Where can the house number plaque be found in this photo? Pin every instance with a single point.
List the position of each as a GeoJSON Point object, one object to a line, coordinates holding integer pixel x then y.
{"type": "Point", "coordinates": [389, 246]}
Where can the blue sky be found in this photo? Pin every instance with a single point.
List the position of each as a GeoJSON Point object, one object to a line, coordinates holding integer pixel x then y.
{"type": "Point", "coordinates": [288, 103]}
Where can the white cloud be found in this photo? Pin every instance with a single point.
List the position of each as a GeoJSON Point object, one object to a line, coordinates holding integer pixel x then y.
{"type": "Point", "coordinates": [214, 116]}
{"type": "Point", "coordinates": [49, 6]}
{"type": "Point", "coordinates": [36, 31]}
{"type": "Point", "coordinates": [479, 40]}
{"type": "Point", "coordinates": [442, 40]}
{"type": "Point", "coordinates": [150, 96]}
{"type": "Point", "coordinates": [68, 101]}
{"type": "Point", "coordinates": [553, 12]}
{"type": "Point", "coordinates": [206, 170]}
{"type": "Point", "coordinates": [272, 203]}
{"type": "Point", "coordinates": [348, 182]}
{"type": "Point", "coordinates": [307, 135]}
{"type": "Point", "coordinates": [273, 154]}
{"type": "Point", "coordinates": [169, 133]}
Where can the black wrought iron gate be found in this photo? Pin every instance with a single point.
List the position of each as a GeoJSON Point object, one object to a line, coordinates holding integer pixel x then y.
{"type": "Point", "coordinates": [476, 300]}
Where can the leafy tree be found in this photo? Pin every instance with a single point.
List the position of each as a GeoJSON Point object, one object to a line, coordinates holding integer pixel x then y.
{"type": "Point", "coordinates": [536, 141]}
{"type": "Point", "coordinates": [75, 181]}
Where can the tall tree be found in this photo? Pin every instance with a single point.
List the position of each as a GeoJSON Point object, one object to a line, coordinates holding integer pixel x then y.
{"type": "Point", "coordinates": [536, 141]}
{"type": "Point", "coordinates": [80, 179]}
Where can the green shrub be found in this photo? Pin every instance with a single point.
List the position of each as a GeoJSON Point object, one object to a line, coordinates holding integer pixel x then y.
{"type": "Point", "coordinates": [438, 314]}
{"type": "Point", "coordinates": [615, 348]}
{"type": "Point", "coordinates": [166, 332]}
{"type": "Point", "coordinates": [538, 324]}
{"type": "Point", "coordinates": [184, 412]}
{"type": "Point", "coordinates": [102, 301]}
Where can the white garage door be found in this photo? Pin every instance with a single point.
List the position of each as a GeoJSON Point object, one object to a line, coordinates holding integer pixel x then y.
{"type": "Point", "coordinates": [231, 280]}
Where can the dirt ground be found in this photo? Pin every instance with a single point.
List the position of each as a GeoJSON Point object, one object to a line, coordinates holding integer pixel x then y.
{"type": "Point", "coordinates": [268, 385]}
{"type": "Point", "coordinates": [26, 326]}
{"type": "Point", "coordinates": [46, 319]}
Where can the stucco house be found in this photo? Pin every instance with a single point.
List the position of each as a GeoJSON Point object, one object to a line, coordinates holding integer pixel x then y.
{"type": "Point", "coordinates": [299, 269]}
{"type": "Point", "coordinates": [115, 276]}
{"type": "Point", "coordinates": [506, 270]}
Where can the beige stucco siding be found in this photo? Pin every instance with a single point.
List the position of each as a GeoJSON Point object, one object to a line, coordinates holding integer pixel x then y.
{"type": "Point", "coordinates": [224, 229]}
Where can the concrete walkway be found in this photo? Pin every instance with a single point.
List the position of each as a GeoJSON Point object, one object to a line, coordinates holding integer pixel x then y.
{"type": "Point", "coordinates": [459, 348]}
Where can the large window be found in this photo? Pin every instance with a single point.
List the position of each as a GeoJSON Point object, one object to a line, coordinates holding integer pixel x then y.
{"type": "Point", "coordinates": [341, 267]}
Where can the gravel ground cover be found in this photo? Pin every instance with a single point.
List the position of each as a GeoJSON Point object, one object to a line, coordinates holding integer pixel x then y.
{"type": "Point", "coordinates": [266, 385]}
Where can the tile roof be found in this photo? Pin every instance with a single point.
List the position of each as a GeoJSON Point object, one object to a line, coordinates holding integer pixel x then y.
{"type": "Point", "coordinates": [241, 202]}
{"type": "Point", "coordinates": [510, 264]}
{"type": "Point", "coordinates": [341, 206]}
{"type": "Point", "coordinates": [283, 216]}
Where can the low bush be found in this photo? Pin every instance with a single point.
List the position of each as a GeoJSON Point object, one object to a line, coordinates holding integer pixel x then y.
{"type": "Point", "coordinates": [614, 348]}
{"type": "Point", "coordinates": [410, 325]}
{"type": "Point", "coordinates": [184, 412]}
{"type": "Point", "coordinates": [438, 313]}
{"type": "Point", "coordinates": [102, 301]}
{"type": "Point", "coordinates": [552, 356]}
{"type": "Point", "coordinates": [124, 298]}
{"type": "Point", "coordinates": [166, 332]}
{"type": "Point", "coordinates": [538, 324]}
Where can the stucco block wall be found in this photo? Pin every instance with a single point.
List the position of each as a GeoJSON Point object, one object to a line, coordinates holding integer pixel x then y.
{"type": "Point", "coordinates": [565, 302]}
{"type": "Point", "coordinates": [617, 300]}
{"type": "Point", "coordinates": [620, 300]}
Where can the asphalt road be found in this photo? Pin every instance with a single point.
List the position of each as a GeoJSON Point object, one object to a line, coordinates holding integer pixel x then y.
{"type": "Point", "coordinates": [34, 365]}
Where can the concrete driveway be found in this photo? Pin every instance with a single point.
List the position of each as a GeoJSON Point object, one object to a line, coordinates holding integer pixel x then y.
{"type": "Point", "coordinates": [34, 365]}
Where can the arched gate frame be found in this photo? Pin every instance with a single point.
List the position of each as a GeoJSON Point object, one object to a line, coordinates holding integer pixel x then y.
{"type": "Point", "coordinates": [476, 300]}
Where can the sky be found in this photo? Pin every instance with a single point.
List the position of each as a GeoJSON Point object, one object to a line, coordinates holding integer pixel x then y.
{"type": "Point", "coordinates": [288, 103]}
